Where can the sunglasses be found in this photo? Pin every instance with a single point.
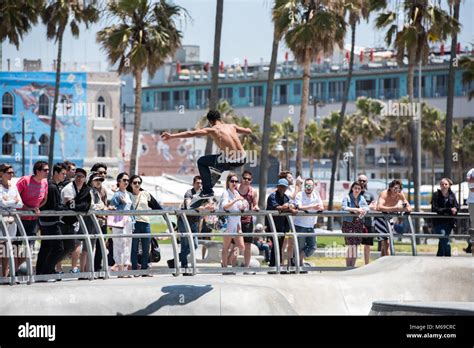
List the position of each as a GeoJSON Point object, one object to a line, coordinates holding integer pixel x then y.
{"type": "Point", "coordinates": [362, 180]}
{"type": "Point", "coordinates": [247, 179]}
{"type": "Point", "coordinates": [80, 176]}
{"type": "Point", "coordinates": [45, 170]}
{"type": "Point", "coordinates": [10, 173]}
{"type": "Point", "coordinates": [125, 180]}
{"type": "Point", "coordinates": [308, 186]}
{"type": "Point", "coordinates": [136, 183]}
{"type": "Point", "coordinates": [102, 173]}
{"type": "Point", "coordinates": [234, 181]}
{"type": "Point", "coordinates": [98, 179]}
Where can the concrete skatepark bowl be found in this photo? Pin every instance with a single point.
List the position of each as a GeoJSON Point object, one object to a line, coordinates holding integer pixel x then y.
{"type": "Point", "coordinates": [416, 282]}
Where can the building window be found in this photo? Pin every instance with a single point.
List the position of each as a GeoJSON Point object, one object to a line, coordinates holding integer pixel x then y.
{"type": "Point", "coordinates": [101, 107]}
{"type": "Point", "coordinates": [43, 105]}
{"type": "Point", "coordinates": [101, 147]}
{"type": "Point", "coordinates": [242, 92]}
{"type": "Point", "coordinates": [7, 104]}
{"type": "Point", "coordinates": [7, 144]}
{"type": "Point", "coordinates": [44, 145]}
{"type": "Point", "coordinates": [297, 89]}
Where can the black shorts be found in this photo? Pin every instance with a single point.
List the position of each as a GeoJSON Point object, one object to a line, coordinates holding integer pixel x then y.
{"type": "Point", "coordinates": [368, 240]}
{"type": "Point", "coordinates": [247, 227]}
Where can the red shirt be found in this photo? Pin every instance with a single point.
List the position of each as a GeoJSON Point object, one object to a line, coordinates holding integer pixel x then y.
{"type": "Point", "coordinates": [32, 193]}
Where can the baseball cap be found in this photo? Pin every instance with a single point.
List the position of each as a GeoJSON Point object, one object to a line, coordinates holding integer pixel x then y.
{"type": "Point", "coordinates": [81, 170]}
{"type": "Point", "coordinates": [282, 182]}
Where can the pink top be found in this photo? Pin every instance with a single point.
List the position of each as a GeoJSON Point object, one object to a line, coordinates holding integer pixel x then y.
{"type": "Point", "coordinates": [32, 193]}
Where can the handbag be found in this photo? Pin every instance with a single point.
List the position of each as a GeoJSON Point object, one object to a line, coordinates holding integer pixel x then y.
{"type": "Point", "coordinates": [117, 221]}
{"type": "Point", "coordinates": [155, 253]}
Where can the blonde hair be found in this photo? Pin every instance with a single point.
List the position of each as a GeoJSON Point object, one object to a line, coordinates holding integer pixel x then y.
{"type": "Point", "coordinates": [450, 182]}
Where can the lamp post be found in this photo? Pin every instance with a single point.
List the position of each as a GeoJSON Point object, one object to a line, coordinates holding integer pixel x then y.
{"type": "Point", "coordinates": [31, 142]}
{"type": "Point", "coordinates": [383, 161]}
{"type": "Point", "coordinates": [347, 158]}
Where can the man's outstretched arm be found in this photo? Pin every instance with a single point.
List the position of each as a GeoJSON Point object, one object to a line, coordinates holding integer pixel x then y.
{"type": "Point", "coordinates": [187, 134]}
{"type": "Point", "coordinates": [241, 130]}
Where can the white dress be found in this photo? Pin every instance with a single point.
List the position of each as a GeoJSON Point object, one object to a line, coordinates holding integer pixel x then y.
{"type": "Point", "coordinates": [233, 222]}
{"type": "Point", "coordinates": [8, 202]}
{"type": "Point", "coordinates": [123, 246]}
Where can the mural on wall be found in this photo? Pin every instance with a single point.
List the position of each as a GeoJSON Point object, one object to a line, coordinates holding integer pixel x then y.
{"type": "Point", "coordinates": [33, 94]}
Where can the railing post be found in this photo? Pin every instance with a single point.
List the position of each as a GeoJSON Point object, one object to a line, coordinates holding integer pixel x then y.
{"type": "Point", "coordinates": [413, 236]}
{"type": "Point", "coordinates": [11, 259]}
{"type": "Point", "coordinates": [390, 232]}
{"type": "Point", "coordinates": [87, 239]}
{"type": "Point", "coordinates": [174, 243]}
{"type": "Point", "coordinates": [295, 245]}
{"type": "Point", "coordinates": [190, 236]}
{"type": "Point", "coordinates": [276, 244]}
{"type": "Point", "coordinates": [29, 257]}
{"type": "Point", "coordinates": [103, 248]}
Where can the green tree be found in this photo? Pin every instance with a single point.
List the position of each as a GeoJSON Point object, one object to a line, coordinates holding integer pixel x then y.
{"type": "Point", "coordinates": [367, 123]}
{"type": "Point", "coordinates": [432, 135]}
{"type": "Point", "coordinates": [313, 144]}
{"type": "Point", "coordinates": [57, 15]}
{"type": "Point", "coordinates": [467, 64]}
{"type": "Point", "coordinates": [267, 115]}
{"type": "Point", "coordinates": [143, 37]}
{"type": "Point", "coordinates": [354, 10]}
{"type": "Point", "coordinates": [454, 6]}
{"type": "Point", "coordinates": [17, 17]}
{"type": "Point", "coordinates": [214, 96]}
{"type": "Point", "coordinates": [310, 28]}
{"type": "Point", "coordinates": [423, 22]}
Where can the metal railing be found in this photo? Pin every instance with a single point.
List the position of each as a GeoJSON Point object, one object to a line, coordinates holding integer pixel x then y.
{"type": "Point", "coordinates": [90, 238]}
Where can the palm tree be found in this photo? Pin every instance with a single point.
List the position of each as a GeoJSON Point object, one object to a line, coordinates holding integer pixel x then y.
{"type": "Point", "coordinates": [367, 123]}
{"type": "Point", "coordinates": [313, 144]}
{"type": "Point", "coordinates": [329, 133]}
{"type": "Point", "coordinates": [423, 22]}
{"type": "Point", "coordinates": [467, 64]}
{"type": "Point", "coordinates": [17, 17]}
{"type": "Point", "coordinates": [57, 15]}
{"type": "Point", "coordinates": [432, 135]}
{"type": "Point", "coordinates": [144, 36]}
{"type": "Point", "coordinates": [311, 27]}
{"type": "Point", "coordinates": [215, 66]}
{"type": "Point", "coordinates": [282, 132]}
{"type": "Point", "coordinates": [454, 6]}
{"type": "Point", "coordinates": [267, 115]}
{"type": "Point", "coordinates": [355, 10]}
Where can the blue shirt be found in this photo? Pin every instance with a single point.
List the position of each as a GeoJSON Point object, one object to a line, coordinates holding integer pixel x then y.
{"type": "Point", "coordinates": [349, 202]}
{"type": "Point", "coordinates": [273, 201]}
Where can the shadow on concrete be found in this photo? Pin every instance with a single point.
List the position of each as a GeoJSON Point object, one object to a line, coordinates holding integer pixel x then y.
{"type": "Point", "coordinates": [177, 295]}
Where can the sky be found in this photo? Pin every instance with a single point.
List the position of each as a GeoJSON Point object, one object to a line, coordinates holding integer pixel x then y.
{"type": "Point", "coordinates": [247, 33]}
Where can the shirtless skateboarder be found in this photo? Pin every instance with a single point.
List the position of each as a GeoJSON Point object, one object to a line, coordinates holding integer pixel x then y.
{"type": "Point", "coordinates": [232, 152]}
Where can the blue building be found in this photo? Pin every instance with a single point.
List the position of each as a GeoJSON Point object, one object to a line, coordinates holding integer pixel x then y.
{"type": "Point", "coordinates": [87, 125]}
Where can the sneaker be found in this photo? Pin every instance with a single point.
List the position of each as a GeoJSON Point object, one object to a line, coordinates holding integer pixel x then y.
{"type": "Point", "coordinates": [75, 270]}
{"type": "Point", "coordinates": [200, 199]}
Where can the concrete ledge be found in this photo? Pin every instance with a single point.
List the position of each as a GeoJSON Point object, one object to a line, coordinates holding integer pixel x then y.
{"type": "Point", "coordinates": [422, 308]}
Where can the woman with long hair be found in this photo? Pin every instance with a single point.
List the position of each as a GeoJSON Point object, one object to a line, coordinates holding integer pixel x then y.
{"type": "Point", "coordinates": [354, 203]}
{"type": "Point", "coordinates": [232, 201]}
{"type": "Point", "coordinates": [122, 200]}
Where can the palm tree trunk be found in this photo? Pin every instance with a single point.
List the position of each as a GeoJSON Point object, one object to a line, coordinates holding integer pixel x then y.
{"type": "Point", "coordinates": [335, 157]}
{"type": "Point", "coordinates": [267, 120]}
{"type": "Point", "coordinates": [432, 172]}
{"type": "Point", "coordinates": [136, 126]}
{"type": "Point", "coordinates": [413, 131]}
{"type": "Point", "coordinates": [303, 111]}
{"type": "Point", "coordinates": [448, 142]}
{"type": "Point", "coordinates": [311, 166]}
{"type": "Point", "coordinates": [215, 66]}
{"type": "Point", "coordinates": [52, 133]}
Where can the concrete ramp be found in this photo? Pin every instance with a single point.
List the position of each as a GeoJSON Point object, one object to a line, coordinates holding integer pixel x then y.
{"type": "Point", "coordinates": [395, 279]}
